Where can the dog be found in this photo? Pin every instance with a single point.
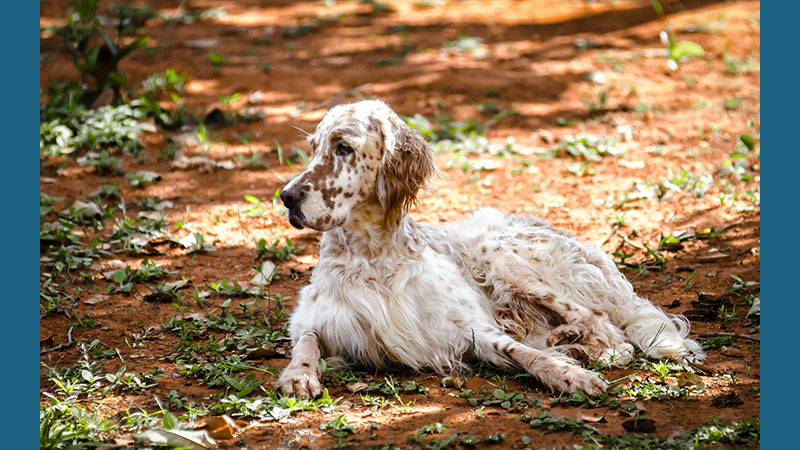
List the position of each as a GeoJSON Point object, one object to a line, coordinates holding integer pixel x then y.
{"type": "Point", "coordinates": [509, 289]}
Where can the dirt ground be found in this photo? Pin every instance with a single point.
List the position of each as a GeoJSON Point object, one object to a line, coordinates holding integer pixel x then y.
{"type": "Point", "coordinates": [533, 57]}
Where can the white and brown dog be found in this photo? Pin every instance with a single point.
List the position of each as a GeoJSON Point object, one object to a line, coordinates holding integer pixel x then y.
{"type": "Point", "coordinates": [511, 289]}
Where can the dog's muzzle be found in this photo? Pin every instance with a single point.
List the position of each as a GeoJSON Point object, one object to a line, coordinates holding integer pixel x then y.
{"type": "Point", "coordinates": [297, 219]}
{"type": "Point", "coordinates": [292, 198]}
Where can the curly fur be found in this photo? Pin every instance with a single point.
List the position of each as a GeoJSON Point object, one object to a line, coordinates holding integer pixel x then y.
{"type": "Point", "coordinates": [511, 289]}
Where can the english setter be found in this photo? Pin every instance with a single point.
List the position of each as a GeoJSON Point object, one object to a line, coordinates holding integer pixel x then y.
{"type": "Point", "coordinates": [510, 289]}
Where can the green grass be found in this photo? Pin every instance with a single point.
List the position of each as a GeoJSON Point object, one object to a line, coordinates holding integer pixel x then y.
{"type": "Point", "coordinates": [717, 432]}
{"type": "Point", "coordinates": [587, 146]}
{"type": "Point", "coordinates": [275, 251]}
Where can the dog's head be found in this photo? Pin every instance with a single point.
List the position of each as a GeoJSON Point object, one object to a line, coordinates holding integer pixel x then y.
{"type": "Point", "coordinates": [363, 154]}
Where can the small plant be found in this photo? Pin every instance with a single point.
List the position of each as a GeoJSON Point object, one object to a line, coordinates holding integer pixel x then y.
{"type": "Point", "coordinates": [679, 51]}
{"type": "Point", "coordinates": [587, 146]}
{"type": "Point", "coordinates": [215, 59]}
{"type": "Point", "coordinates": [434, 428]}
{"type": "Point", "coordinates": [596, 106]}
{"type": "Point", "coordinates": [228, 99]}
{"type": "Point", "coordinates": [149, 271]}
{"type": "Point", "coordinates": [734, 66]}
{"type": "Point", "coordinates": [375, 402]}
{"type": "Point", "coordinates": [466, 44]}
{"type": "Point", "coordinates": [123, 279]}
{"type": "Point", "coordinates": [84, 28]}
{"type": "Point", "coordinates": [731, 104]}
{"type": "Point", "coordinates": [273, 251]}
{"type": "Point", "coordinates": [378, 7]}
{"type": "Point", "coordinates": [253, 161]}
{"type": "Point", "coordinates": [717, 342]}
{"type": "Point", "coordinates": [258, 208]}
{"type": "Point", "coordinates": [646, 390]}
{"type": "Point", "coordinates": [142, 178]}
{"type": "Point", "coordinates": [169, 84]}
{"type": "Point", "coordinates": [103, 162]}
{"type": "Point", "coordinates": [338, 427]}
{"type": "Point", "coordinates": [550, 423]}
{"type": "Point", "coordinates": [662, 369]}
{"type": "Point", "coordinates": [199, 245]}
{"type": "Point", "coordinates": [581, 399]}
{"type": "Point", "coordinates": [108, 190]}
{"type": "Point", "coordinates": [445, 134]}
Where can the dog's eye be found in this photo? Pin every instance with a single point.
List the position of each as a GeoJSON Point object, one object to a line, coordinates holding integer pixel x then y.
{"type": "Point", "coordinates": [342, 149]}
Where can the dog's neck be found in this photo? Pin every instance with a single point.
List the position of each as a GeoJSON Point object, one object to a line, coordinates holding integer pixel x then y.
{"type": "Point", "coordinates": [366, 235]}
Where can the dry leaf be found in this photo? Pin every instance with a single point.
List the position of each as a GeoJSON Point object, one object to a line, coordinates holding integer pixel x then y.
{"type": "Point", "coordinates": [453, 381]}
{"type": "Point", "coordinates": [264, 277]}
{"type": "Point", "coordinates": [175, 285]}
{"type": "Point", "coordinates": [640, 425]}
{"type": "Point", "coordinates": [712, 258]}
{"type": "Point", "coordinates": [87, 209]}
{"type": "Point", "coordinates": [186, 241]}
{"type": "Point", "coordinates": [221, 427]}
{"type": "Point", "coordinates": [159, 297]}
{"type": "Point", "coordinates": [356, 386]}
{"type": "Point", "coordinates": [195, 440]}
{"type": "Point", "coordinates": [755, 309]}
{"type": "Point", "coordinates": [196, 316]}
{"type": "Point", "coordinates": [631, 164]}
{"type": "Point", "coordinates": [589, 417]}
{"type": "Point", "coordinates": [733, 352]}
{"type": "Point", "coordinates": [266, 351]}
{"type": "Point", "coordinates": [202, 43]}
{"type": "Point", "coordinates": [95, 299]}
{"type": "Point", "coordinates": [183, 162]}
{"type": "Point", "coordinates": [308, 259]}
{"type": "Point", "coordinates": [689, 379]}
{"type": "Point", "coordinates": [725, 400]}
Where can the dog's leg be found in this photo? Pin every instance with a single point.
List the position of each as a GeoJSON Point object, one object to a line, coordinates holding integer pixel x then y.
{"type": "Point", "coordinates": [302, 376]}
{"type": "Point", "coordinates": [556, 372]}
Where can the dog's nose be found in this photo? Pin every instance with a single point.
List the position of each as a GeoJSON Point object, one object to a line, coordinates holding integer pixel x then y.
{"type": "Point", "coordinates": [292, 198]}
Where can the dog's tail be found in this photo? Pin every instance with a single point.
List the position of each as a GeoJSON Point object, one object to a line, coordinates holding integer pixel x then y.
{"type": "Point", "coordinates": [660, 335]}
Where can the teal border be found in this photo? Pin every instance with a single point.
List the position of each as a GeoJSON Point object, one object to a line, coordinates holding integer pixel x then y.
{"type": "Point", "coordinates": [779, 124]}
{"type": "Point", "coordinates": [20, 185]}
{"type": "Point", "coordinates": [20, 264]}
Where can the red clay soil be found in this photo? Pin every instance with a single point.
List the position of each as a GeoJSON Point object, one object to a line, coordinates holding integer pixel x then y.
{"type": "Point", "coordinates": [532, 58]}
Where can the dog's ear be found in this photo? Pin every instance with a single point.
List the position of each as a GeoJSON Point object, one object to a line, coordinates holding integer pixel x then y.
{"type": "Point", "coordinates": [406, 167]}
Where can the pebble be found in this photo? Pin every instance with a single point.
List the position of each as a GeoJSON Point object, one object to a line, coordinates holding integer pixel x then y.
{"type": "Point", "coordinates": [733, 352]}
{"type": "Point", "coordinates": [595, 77]}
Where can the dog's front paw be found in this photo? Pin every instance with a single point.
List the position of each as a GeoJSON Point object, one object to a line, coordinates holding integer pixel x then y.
{"type": "Point", "coordinates": [565, 335]}
{"type": "Point", "coordinates": [301, 380]}
{"type": "Point", "coordinates": [586, 380]}
{"type": "Point", "coordinates": [572, 378]}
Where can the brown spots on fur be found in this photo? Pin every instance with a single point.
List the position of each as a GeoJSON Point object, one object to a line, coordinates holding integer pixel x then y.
{"type": "Point", "coordinates": [322, 171]}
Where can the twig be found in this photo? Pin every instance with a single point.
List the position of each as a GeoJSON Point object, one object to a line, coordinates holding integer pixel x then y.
{"type": "Point", "coordinates": [633, 244]}
{"type": "Point", "coordinates": [727, 333]}
{"type": "Point", "coordinates": [332, 100]}
{"type": "Point", "coordinates": [60, 346]}
{"type": "Point", "coordinates": [610, 235]}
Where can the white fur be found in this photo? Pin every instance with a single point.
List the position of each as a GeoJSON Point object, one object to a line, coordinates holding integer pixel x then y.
{"type": "Point", "coordinates": [510, 289]}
